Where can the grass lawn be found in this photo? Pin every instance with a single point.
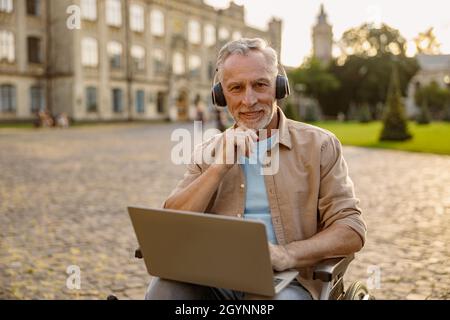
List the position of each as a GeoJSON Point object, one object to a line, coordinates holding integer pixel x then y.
{"type": "Point", "coordinates": [15, 125]}
{"type": "Point", "coordinates": [431, 138]}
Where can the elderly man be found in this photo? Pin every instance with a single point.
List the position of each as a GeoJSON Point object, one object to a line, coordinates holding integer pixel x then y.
{"type": "Point", "coordinates": [307, 204]}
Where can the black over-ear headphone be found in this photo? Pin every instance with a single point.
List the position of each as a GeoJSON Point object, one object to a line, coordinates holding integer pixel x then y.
{"type": "Point", "coordinates": [282, 90]}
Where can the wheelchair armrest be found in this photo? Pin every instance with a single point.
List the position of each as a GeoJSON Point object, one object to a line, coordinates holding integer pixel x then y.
{"type": "Point", "coordinates": [329, 269]}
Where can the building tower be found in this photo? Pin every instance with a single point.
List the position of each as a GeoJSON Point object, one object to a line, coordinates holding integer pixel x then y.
{"type": "Point", "coordinates": [322, 38]}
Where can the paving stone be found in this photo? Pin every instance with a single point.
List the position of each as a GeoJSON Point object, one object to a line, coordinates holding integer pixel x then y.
{"type": "Point", "coordinates": [64, 195]}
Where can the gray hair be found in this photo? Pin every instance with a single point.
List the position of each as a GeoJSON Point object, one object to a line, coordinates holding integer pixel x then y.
{"type": "Point", "coordinates": [243, 47]}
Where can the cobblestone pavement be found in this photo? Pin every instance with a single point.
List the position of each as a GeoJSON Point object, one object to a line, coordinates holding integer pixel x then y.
{"type": "Point", "coordinates": [63, 199]}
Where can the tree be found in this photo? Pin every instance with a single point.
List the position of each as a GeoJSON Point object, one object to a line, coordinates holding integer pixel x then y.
{"type": "Point", "coordinates": [446, 116]}
{"type": "Point", "coordinates": [368, 41]}
{"type": "Point", "coordinates": [427, 43]}
{"type": "Point", "coordinates": [395, 126]}
{"type": "Point", "coordinates": [316, 79]}
{"type": "Point", "coordinates": [435, 97]}
{"type": "Point", "coordinates": [364, 68]}
{"type": "Point", "coordinates": [364, 114]}
{"type": "Point", "coordinates": [290, 112]}
{"type": "Point", "coordinates": [424, 116]}
{"type": "Point", "coordinates": [311, 114]}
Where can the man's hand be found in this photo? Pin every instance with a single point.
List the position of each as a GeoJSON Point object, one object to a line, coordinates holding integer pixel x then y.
{"type": "Point", "coordinates": [280, 257]}
{"type": "Point", "coordinates": [235, 143]}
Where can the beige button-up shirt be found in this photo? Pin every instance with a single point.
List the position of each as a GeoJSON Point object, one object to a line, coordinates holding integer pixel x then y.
{"type": "Point", "coordinates": [310, 191]}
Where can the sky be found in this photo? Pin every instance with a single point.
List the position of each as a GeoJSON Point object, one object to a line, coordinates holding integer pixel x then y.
{"type": "Point", "coordinates": [408, 16]}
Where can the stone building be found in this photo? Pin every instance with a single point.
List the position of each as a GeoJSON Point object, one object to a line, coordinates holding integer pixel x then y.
{"type": "Point", "coordinates": [114, 59]}
{"type": "Point", "coordinates": [432, 68]}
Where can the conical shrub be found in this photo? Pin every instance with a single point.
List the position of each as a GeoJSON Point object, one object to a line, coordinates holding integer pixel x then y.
{"type": "Point", "coordinates": [395, 126]}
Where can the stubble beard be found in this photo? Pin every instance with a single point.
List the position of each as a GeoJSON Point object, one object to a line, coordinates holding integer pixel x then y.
{"type": "Point", "coordinates": [260, 124]}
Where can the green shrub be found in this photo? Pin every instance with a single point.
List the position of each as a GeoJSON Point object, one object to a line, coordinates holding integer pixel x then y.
{"type": "Point", "coordinates": [364, 115]}
{"type": "Point", "coordinates": [290, 112]}
{"type": "Point", "coordinates": [424, 116]}
{"type": "Point", "coordinates": [395, 126]}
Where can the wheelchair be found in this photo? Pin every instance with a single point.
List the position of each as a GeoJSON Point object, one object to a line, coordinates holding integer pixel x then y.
{"type": "Point", "coordinates": [331, 273]}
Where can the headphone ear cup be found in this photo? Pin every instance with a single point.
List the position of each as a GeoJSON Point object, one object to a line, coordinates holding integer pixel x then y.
{"type": "Point", "coordinates": [218, 97]}
{"type": "Point", "coordinates": [282, 87]}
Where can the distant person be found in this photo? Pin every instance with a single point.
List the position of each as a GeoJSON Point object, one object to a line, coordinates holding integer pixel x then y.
{"type": "Point", "coordinates": [62, 121]}
{"type": "Point", "coordinates": [45, 119]}
{"type": "Point", "coordinates": [200, 111]}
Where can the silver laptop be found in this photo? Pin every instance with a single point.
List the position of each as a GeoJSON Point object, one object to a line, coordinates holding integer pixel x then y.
{"type": "Point", "coordinates": [205, 249]}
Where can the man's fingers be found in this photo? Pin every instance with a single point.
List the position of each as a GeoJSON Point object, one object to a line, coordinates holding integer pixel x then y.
{"type": "Point", "coordinates": [247, 132]}
{"type": "Point", "coordinates": [250, 146]}
{"type": "Point", "coordinates": [253, 134]}
{"type": "Point", "coordinates": [238, 142]}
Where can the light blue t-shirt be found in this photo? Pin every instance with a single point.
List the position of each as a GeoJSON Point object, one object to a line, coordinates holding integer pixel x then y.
{"type": "Point", "coordinates": [256, 201]}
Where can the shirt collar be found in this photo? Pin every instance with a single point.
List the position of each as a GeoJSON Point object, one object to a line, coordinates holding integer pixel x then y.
{"type": "Point", "coordinates": [284, 134]}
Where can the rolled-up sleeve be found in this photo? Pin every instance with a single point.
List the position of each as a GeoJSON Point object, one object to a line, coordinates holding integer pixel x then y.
{"type": "Point", "coordinates": [337, 200]}
{"type": "Point", "coordinates": [193, 171]}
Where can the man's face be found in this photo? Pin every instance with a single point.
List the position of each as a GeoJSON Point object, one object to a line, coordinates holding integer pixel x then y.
{"type": "Point", "coordinates": [249, 89]}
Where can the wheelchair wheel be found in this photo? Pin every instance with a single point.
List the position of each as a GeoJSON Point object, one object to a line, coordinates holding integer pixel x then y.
{"type": "Point", "coordinates": [357, 291]}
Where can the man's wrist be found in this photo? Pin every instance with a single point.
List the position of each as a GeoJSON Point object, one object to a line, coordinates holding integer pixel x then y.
{"type": "Point", "coordinates": [292, 255]}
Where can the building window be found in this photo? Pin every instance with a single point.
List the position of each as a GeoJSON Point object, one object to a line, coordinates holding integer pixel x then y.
{"type": "Point", "coordinates": [138, 56]}
{"type": "Point", "coordinates": [160, 102]}
{"type": "Point", "coordinates": [7, 98]}
{"type": "Point", "coordinates": [224, 34]}
{"type": "Point", "coordinates": [89, 52]}
{"type": "Point", "coordinates": [89, 9]}
{"type": "Point", "coordinates": [236, 35]}
{"type": "Point", "coordinates": [37, 99]}
{"type": "Point", "coordinates": [157, 22]}
{"type": "Point", "coordinates": [194, 33]}
{"type": "Point", "coordinates": [91, 99]}
{"type": "Point", "coordinates": [33, 7]}
{"type": "Point", "coordinates": [34, 50]}
{"type": "Point", "coordinates": [137, 18]}
{"type": "Point", "coordinates": [178, 63]}
{"type": "Point", "coordinates": [158, 61]}
{"type": "Point", "coordinates": [117, 100]}
{"type": "Point", "coordinates": [140, 101]}
{"type": "Point", "coordinates": [6, 6]}
{"type": "Point", "coordinates": [194, 65]}
{"type": "Point", "coordinates": [7, 47]}
{"type": "Point", "coordinates": [115, 54]}
{"type": "Point", "coordinates": [114, 13]}
{"type": "Point", "coordinates": [210, 35]}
